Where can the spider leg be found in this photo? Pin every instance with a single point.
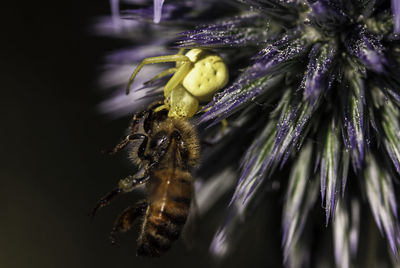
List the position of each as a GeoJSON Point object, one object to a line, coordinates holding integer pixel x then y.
{"type": "Point", "coordinates": [159, 59]}
{"type": "Point", "coordinates": [154, 105]}
{"type": "Point", "coordinates": [177, 77]}
{"type": "Point", "coordinates": [160, 108]}
{"type": "Point", "coordinates": [126, 219]}
{"type": "Point", "coordinates": [125, 185]}
{"type": "Point", "coordinates": [181, 51]}
{"type": "Point", "coordinates": [162, 74]}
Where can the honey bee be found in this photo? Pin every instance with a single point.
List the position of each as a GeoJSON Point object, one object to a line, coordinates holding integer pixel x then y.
{"type": "Point", "coordinates": [166, 150]}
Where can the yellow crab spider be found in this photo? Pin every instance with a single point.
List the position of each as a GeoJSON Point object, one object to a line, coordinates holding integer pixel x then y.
{"type": "Point", "coordinates": [197, 76]}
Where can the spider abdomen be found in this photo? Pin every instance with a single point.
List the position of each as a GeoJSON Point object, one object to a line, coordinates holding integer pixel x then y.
{"type": "Point", "coordinates": [208, 75]}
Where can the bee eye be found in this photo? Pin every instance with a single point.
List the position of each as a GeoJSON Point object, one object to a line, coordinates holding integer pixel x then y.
{"type": "Point", "coordinates": [159, 140]}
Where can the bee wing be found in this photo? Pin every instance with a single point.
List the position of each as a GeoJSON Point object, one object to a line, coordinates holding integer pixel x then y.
{"type": "Point", "coordinates": [206, 195]}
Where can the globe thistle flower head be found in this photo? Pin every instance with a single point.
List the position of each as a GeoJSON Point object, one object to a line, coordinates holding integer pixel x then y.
{"type": "Point", "coordinates": [315, 88]}
{"type": "Point", "coordinates": [325, 58]}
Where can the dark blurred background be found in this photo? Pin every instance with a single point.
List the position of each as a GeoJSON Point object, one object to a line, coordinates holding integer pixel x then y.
{"type": "Point", "coordinates": [52, 172]}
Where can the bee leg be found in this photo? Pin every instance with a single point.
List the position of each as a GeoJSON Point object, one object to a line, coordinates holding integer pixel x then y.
{"type": "Point", "coordinates": [143, 114]}
{"type": "Point", "coordinates": [162, 74]}
{"type": "Point", "coordinates": [105, 200]}
{"type": "Point", "coordinates": [146, 115]}
{"type": "Point", "coordinates": [125, 186]}
{"type": "Point", "coordinates": [142, 149]}
{"type": "Point", "coordinates": [125, 220]}
{"type": "Point", "coordinates": [156, 111]}
{"type": "Point", "coordinates": [131, 182]}
{"type": "Point", "coordinates": [125, 142]}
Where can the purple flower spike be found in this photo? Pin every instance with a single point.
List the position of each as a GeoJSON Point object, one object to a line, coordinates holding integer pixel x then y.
{"type": "Point", "coordinates": [346, 231]}
{"type": "Point", "coordinates": [391, 127]}
{"type": "Point", "coordinates": [271, 149]}
{"type": "Point", "coordinates": [396, 15]}
{"type": "Point", "coordinates": [330, 172]}
{"type": "Point", "coordinates": [282, 9]}
{"type": "Point", "coordinates": [244, 90]}
{"type": "Point", "coordinates": [157, 10]}
{"type": "Point", "coordinates": [319, 72]}
{"type": "Point", "coordinates": [326, 15]}
{"type": "Point", "coordinates": [367, 48]}
{"type": "Point", "coordinates": [382, 200]}
{"type": "Point", "coordinates": [256, 79]}
{"type": "Point", "coordinates": [276, 57]}
{"type": "Point", "coordinates": [354, 126]}
{"type": "Point", "coordinates": [156, 13]}
{"type": "Point", "coordinates": [177, 12]}
{"type": "Point", "coordinates": [245, 30]}
{"type": "Point", "coordinates": [299, 200]}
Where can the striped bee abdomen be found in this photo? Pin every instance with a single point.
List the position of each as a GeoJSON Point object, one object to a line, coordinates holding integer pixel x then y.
{"type": "Point", "coordinates": [166, 215]}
